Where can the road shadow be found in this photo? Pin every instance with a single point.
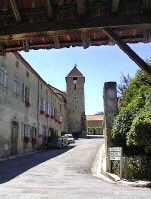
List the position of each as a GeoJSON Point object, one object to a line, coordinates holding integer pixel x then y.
{"type": "Point", "coordinates": [10, 168]}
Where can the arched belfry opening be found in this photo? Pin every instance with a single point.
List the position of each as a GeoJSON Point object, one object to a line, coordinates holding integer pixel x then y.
{"type": "Point", "coordinates": [14, 137]}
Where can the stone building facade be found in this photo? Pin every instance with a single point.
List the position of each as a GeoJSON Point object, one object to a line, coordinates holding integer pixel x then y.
{"type": "Point", "coordinates": [31, 110]}
{"type": "Point", "coordinates": [94, 124]}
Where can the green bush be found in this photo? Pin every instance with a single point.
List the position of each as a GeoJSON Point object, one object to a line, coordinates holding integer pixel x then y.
{"type": "Point", "coordinates": [141, 79]}
{"type": "Point", "coordinates": [132, 126]}
{"type": "Point", "coordinates": [122, 124]}
{"type": "Point", "coordinates": [133, 120]}
{"type": "Point", "coordinates": [140, 131]}
{"type": "Point", "coordinates": [133, 167]}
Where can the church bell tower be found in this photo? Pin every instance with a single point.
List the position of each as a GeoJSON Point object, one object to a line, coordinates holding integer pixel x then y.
{"type": "Point", "coordinates": [75, 102]}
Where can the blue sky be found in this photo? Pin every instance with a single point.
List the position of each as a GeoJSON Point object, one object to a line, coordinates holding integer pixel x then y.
{"type": "Point", "coordinates": [98, 65]}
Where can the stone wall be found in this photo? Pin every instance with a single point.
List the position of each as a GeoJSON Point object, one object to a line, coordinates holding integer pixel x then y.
{"type": "Point", "coordinates": [75, 105]}
{"type": "Point", "coordinates": [110, 110]}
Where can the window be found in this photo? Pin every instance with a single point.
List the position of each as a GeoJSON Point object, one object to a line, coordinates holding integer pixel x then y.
{"type": "Point", "coordinates": [44, 131]}
{"type": "Point", "coordinates": [55, 113]}
{"type": "Point", "coordinates": [16, 87]}
{"type": "Point", "coordinates": [48, 109]}
{"type": "Point", "coordinates": [22, 131]}
{"type": "Point", "coordinates": [34, 132]}
{"type": "Point", "coordinates": [3, 78]}
{"type": "Point", "coordinates": [26, 94]}
{"type": "Point", "coordinates": [52, 111]}
{"type": "Point", "coordinates": [75, 83]}
{"type": "Point", "coordinates": [42, 105]}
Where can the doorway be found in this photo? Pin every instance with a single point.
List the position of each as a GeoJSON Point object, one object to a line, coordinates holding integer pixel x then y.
{"type": "Point", "coordinates": [14, 137]}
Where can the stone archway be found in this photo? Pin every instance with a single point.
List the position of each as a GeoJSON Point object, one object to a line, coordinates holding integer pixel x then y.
{"type": "Point", "coordinates": [14, 137]}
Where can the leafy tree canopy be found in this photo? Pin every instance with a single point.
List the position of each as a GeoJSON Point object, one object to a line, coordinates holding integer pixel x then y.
{"type": "Point", "coordinates": [132, 126]}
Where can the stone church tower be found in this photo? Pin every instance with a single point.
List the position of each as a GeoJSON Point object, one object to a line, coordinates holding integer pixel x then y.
{"type": "Point", "coordinates": [75, 102]}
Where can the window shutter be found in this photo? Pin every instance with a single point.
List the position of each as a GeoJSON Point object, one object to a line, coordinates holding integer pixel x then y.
{"type": "Point", "coordinates": [23, 92]}
{"type": "Point", "coordinates": [5, 78]}
{"type": "Point", "coordinates": [44, 105]}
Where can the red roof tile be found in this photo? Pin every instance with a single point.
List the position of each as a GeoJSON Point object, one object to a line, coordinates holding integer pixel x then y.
{"type": "Point", "coordinates": [94, 117]}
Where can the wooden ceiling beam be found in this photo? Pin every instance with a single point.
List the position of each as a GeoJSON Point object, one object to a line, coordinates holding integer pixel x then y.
{"type": "Point", "coordinates": [16, 31]}
{"type": "Point", "coordinates": [50, 10]}
{"type": "Point", "coordinates": [123, 46]}
{"type": "Point", "coordinates": [25, 44]}
{"type": "Point", "coordinates": [147, 35]}
{"type": "Point", "coordinates": [86, 41]}
{"type": "Point", "coordinates": [81, 7]}
{"type": "Point", "coordinates": [147, 4]}
{"type": "Point", "coordinates": [2, 50]}
{"type": "Point", "coordinates": [115, 5]}
{"type": "Point", "coordinates": [56, 42]}
{"type": "Point", "coordinates": [15, 10]}
{"type": "Point", "coordinates": [60, 2]}
{"type": "Point", "coordinates": [50, 44]}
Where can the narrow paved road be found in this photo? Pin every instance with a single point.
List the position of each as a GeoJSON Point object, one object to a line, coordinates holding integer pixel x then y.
{"type": "Point", "coordinates": [61, 174]}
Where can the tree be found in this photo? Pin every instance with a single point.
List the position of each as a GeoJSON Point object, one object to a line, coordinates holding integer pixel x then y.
{"type": "Point", "coordinates": [132, 126]}
{"type": "Point", "coordinates": [133, 118]}
{"type": "Point", "coordinates": [124, 84]}
{"type": "Point", "coordinates": [122, 88]}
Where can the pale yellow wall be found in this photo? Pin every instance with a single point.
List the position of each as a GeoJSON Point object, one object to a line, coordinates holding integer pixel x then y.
{"type": "Point", "coordinates": [14, 109]}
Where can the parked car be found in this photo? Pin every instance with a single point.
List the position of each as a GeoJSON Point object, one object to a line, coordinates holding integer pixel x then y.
{"type": "Point", "coordinates": [59, 143]}
{"type": "Point", "coordinates": [62, 142]}
{"type": "Point", "coordinates": [70, 138]}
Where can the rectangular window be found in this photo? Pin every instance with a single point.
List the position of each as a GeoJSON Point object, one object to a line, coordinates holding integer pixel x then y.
{"type": "Point", "coordinates": [46, 108]}
{"type": "Point", "coordinates": [25, 129]}
{"type": "Point", "coordinates": [44, 131]}
{"type": "Point", "coordinates": [26, 94]}
{"type": "Point", "coordinates": [53, 111]}
{"type": "Point", "coordinates": [41, 104]}
{"type": "Point", "coordinates": [44, 105]}
{"type": "Point", "coordinates": [16, 87]}
{"type": "Point", "coordinates": [49, 109]}
{"type": "Point", "coordinates": [22, 131]}
{"type": "Point", "coordinates": [27, 91]}
{"type": "Point", "coordinates": [34, 132]}
{"type": "Point", "coordinates": [3, 78]}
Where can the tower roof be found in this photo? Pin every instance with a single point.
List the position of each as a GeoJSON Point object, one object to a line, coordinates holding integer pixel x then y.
{"type": "Point", "coordinates": [75, 72]}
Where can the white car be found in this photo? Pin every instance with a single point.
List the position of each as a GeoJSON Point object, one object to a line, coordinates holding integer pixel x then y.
{"type": "Point", "coordinates": [70, 138]}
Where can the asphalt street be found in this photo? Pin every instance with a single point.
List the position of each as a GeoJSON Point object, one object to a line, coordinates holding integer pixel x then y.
{"type": "Point", "coordinates": [62, 174]}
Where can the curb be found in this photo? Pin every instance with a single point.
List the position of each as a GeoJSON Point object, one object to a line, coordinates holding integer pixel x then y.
{"type": "Point", "coordinates": [19, 155]}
